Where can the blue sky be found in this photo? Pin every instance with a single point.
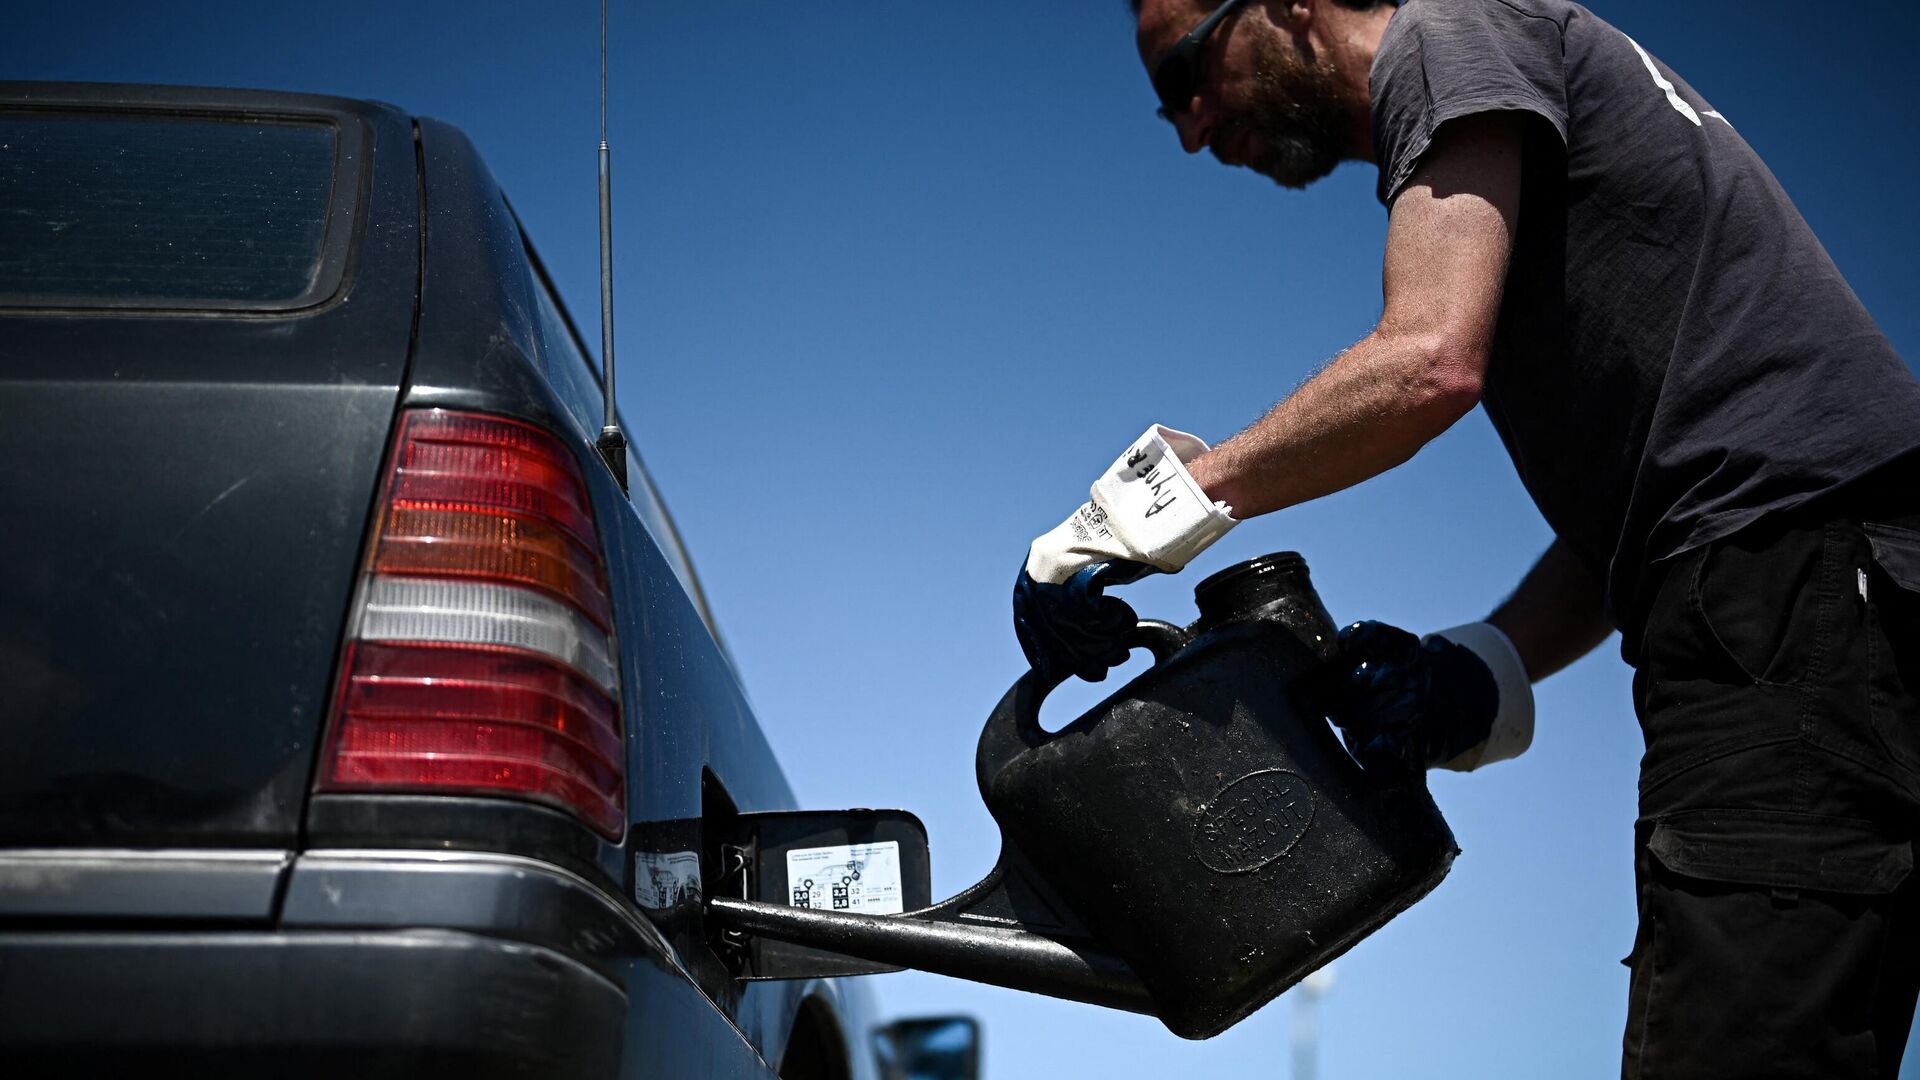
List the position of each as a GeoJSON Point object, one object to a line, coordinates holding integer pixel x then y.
{"type": "Point", "coordinates": [945, 255]}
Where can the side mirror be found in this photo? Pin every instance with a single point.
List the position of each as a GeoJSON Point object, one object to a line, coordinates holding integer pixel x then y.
{"type": "Point", "coordinates": [929, 1048]}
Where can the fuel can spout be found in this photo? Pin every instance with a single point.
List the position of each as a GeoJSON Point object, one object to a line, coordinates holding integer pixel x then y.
{"type": "Point", "coordinates": [1009, 929]}
{"type": "Point", "coordinates": [1006, 956]}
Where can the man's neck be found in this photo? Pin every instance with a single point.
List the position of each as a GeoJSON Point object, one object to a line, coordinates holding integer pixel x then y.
{"type": "Point", "coordinates": [1351, 40]}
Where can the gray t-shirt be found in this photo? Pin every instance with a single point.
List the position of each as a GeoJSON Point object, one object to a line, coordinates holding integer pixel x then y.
{"type": "Point", "coordinates": [1676, 354]}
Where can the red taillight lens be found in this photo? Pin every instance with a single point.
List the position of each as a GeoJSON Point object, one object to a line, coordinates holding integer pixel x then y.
{"type": "Point", "coordinates": [466, 683]}
{"type": "Point", "coordinates": [447, 457]}
{"type": "Point", "coordinates": [481, 660]}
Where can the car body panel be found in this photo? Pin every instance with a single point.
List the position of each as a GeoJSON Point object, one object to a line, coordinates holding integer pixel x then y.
{"type": "Point", "coordinates": [191, 489]}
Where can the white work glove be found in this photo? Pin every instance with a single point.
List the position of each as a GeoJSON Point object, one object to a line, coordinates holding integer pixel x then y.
{"type": "Point", "coordinates": [1145, 508]}
{"type": "Point", "coordinates": [1145, 514]}
{"type": "Point", "coordinates": [1511, 731]}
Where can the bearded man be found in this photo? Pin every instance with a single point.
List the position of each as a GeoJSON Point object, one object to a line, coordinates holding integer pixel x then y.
{"type": "Point", "coordinates": [1725, 445]}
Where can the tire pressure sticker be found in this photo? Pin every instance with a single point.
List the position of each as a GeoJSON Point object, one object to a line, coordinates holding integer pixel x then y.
{"type": "Point", "coordinates": [863, 878]}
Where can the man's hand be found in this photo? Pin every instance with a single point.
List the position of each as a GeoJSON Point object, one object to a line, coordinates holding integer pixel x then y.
{"type": "Point", "coordinates": [1073, 628]}
{"type": "Point", "coordinates": [1458, 699]}
{"type": "Point", "coordinates": [1145, 514]}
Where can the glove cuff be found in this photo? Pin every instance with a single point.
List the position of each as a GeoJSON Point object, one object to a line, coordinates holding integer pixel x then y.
{"type": "Point", "coordinates": [1155, 507]}
{"type": "Point", "coordinates": [1146, 507]}
{"type": "Point", "coordinates": [1512, 730]}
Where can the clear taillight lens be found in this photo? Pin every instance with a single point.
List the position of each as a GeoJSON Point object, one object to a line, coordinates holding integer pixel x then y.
{"type": "Point", "coordinates": [481, 659]}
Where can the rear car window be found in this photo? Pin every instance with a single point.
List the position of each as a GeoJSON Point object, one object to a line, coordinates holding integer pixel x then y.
{"type": "Point", "coordinates": [116, 210]}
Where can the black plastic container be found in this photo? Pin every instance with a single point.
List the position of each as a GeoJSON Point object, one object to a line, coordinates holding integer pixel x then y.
{"type": "Point", "coordinates": [1204, 821]}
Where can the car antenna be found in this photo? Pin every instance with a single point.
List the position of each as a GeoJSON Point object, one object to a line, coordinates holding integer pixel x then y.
{"type": "Point", "coordinates": [612, 443]}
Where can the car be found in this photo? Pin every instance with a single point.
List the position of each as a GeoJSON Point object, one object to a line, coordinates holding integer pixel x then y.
{"type": "Point", "coordinates": [357, 714]}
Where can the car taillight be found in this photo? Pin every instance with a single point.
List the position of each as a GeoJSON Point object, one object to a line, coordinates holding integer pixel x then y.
{"type": "Point", "coordinates": [480, 658]}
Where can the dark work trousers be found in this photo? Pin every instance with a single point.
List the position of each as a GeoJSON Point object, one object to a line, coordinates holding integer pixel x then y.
{"type": "Point", "coordinates": [1778, 687]}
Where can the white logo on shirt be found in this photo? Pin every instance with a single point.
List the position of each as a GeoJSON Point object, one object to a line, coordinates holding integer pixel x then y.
{"type": "Point", "coordinates": [1673, 94]}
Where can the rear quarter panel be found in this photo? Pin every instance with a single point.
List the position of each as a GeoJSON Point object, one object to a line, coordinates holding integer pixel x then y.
{"type": "Point", "coordinates": [484, 346]}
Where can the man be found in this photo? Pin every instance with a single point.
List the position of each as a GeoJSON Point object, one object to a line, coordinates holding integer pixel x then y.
{"type": "Point", "coordinates": [1720, 437]}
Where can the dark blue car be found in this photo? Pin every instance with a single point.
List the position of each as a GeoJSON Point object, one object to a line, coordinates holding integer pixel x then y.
{"type": "Point", "coordinates": [352, 715]}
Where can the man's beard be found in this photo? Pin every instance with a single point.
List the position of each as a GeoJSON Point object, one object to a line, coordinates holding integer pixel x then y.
{"type": "Point", "coordinates": [1298, 122]}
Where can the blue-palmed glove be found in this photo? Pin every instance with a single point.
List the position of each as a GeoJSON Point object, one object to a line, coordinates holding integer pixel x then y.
{"type": "Point", "coordinates": [1144, 515]}
{"type": "Point", "coordinates": [1073, 628]}
{"type": "Point", "coordinates": [1457, 699]}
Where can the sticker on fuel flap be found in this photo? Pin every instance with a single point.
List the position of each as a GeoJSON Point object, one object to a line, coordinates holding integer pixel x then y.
{"type": "Point", "coordinates": [862, 878]}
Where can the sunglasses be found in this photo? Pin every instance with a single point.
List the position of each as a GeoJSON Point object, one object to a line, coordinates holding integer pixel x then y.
{"type": "Point", "coordinates": [1183, 69]}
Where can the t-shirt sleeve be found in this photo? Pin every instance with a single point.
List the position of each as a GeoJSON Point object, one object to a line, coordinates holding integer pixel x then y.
{"type": "Point", "coordinates": [1443, 59]}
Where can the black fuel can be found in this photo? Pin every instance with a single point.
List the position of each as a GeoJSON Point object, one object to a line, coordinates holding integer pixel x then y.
{"type": "Point", "coordinates": [1204, 821]}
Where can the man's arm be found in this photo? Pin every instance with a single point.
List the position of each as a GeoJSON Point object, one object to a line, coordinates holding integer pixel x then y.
{"type": "Point", "coordinates": [1448, 240]}
{"type": "Point", "coordinates": [1558, 613]}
